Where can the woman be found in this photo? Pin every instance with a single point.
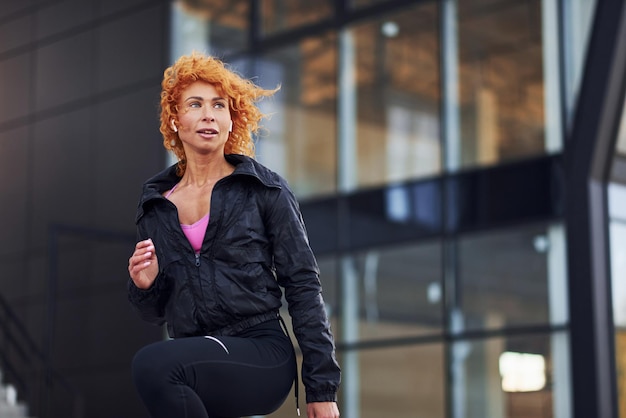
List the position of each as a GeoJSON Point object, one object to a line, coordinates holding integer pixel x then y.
{"type": "Point", "coordinates": [219, 235]}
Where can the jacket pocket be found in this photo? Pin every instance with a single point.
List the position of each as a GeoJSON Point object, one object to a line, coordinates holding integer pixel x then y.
{"type": "Point", "coordinates": [244, 274]}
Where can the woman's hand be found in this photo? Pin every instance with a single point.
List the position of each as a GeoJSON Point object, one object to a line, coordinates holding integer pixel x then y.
{"type": "Point", "coordinates": [322, 410]}
{"type": "Point", "coordinates": [143, 265]}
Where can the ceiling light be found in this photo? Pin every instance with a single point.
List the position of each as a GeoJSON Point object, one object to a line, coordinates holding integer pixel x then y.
{"type": "Point", "coordinates": [390, 29]}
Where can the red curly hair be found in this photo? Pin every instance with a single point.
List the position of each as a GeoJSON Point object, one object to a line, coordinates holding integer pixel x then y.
{"type": "Point", "coordinates": [241, 94]}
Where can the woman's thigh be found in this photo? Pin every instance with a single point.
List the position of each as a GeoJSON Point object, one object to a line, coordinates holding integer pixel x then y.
{"type": "Point", "coordinates": [232, 376]}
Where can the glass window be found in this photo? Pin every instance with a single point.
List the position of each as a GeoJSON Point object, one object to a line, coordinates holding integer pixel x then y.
{"type": "Point", "coordinates": [396, 72]}
{"type": "Point", "coordinates": [620, 360]}
{"type": "Point", "coordinates": [281, 15]}
{"type": "Point", "coordinates": [396, 292]}
{"type": "Point", "coordinates": [389, 293]}
{"type": "Point", "coordinates": [577, 24]}
{"type": "Point", "coordinates": [501, 80]}
{"type": "Point", "coordinates": [402, 293]}
{"type": "Point", "coordinates": [300, 142]}
{"type": "Point", "coordinates": [617, 236]}
{"type": "Point", "coordinates": [503, 278]}
{"type": "Point", "coordinates": [402, 382]}
{"type": "Point", "coordinates": [618, 259]}
{"type": "Point", "coordinates": [218, 27]}
{"type": "Point", "coordinates": [509, 377]}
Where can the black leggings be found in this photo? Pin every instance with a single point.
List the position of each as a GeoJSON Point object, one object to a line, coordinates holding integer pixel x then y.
{"type": "Point", "coordinates": [217, 377]}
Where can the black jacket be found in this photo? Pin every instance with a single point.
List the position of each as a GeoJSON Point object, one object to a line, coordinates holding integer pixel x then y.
{"type": "Point", "coordinates": [255, 241]}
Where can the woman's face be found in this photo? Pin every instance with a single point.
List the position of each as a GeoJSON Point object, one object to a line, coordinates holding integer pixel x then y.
{"type": "Point", "coordinates": [203, 119]}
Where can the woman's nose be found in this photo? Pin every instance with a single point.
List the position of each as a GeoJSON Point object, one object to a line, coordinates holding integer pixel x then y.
{"type": "Point", "coordinates": [207, 113]}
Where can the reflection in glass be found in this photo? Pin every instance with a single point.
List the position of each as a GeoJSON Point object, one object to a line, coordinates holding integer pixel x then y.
{"type": "Point", "coordinates": [503, 278]}
{"type": "Point", "coordinates": [397, 75]}
{"type": "Point", "coordinates": [522, 372]}
{"type": "Point", "coordinates": [578, 18]}
{"type": "Point", "coordinates": [617, 235]}
{"type": "Point", "coordinates": [398, 291]}
{"type": "Point", "coordinates": [620, 363]}
{"type": "Point", "coordinates": [301, 140]}
{"type": "Point", "coordinates": [225, 28]}
{"type": "Point", "coordinates": [617, 214]}
{"type": "Point", "coordinates": [281, 15]}
{"type": "Point", "coordinates": [617, 225]}
{"type": "Point", "coordinates": [404, 381]}
{"type": "Point", "coordinates": [500, 80]}
{"type": "Point", "coordinates": [503, 377]}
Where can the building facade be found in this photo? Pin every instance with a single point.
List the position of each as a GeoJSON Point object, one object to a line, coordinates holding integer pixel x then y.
{"type": "Point", "coordinates": [459, 164]}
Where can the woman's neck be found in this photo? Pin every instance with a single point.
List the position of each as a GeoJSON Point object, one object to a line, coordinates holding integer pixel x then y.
{"type": "Point", "coordinates": [202, 172]}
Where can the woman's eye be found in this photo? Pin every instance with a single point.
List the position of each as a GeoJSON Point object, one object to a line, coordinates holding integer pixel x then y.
{"type": "Point", "coordinates": [195, 104]}
{"type": "Point", "coordinates": [219, 105]}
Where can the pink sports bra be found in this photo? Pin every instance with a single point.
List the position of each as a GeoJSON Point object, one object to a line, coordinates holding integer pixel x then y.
{"type": "Point", "coordinates": [195, 232]}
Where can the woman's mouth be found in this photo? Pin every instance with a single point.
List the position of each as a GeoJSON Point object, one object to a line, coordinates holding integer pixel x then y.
{"type": "Point", "coordinates": [207, 132]}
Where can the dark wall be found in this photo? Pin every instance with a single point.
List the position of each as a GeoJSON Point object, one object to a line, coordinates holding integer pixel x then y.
{"type": "Point", "coordinates": [79, 86]}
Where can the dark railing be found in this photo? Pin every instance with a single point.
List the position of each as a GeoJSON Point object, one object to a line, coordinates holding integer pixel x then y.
{"type": "Point", "coordinates": [25, 366]}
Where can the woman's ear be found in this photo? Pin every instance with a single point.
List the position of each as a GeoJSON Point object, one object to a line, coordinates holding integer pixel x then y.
{"type": "Point", "coordinates": [230, 129]}
{"type": "Point", "coordinates": [174, 128]}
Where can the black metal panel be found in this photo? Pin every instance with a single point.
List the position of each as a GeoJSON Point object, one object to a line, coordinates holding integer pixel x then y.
{"type": "Point", "coordinates": [479, 199]}
{"type": "Point", "coordinates": [513, 193]}
{"type": "Point", "coordinates": [588, 155]}
{"type": "Point", "coordinates": [395, 213]}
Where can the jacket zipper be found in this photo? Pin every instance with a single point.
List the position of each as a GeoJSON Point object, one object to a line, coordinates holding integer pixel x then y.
{"type": "Point", "coordinates": [197, 255]}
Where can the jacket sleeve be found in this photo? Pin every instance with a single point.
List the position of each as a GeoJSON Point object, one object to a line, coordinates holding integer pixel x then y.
{"type": "Point", "coordinates": [297, 272]}
{"type": "Point", "coordinates": [149, 303]}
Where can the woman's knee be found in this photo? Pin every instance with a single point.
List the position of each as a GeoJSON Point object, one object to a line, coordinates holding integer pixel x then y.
{"type": "Point", "coordinates": [147, 366]}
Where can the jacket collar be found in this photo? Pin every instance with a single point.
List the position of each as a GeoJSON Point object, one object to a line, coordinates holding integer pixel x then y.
{"type": "Point", "coordinates": [155, 186]}
{"type": "Point", "coordinates": [249, 166]}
